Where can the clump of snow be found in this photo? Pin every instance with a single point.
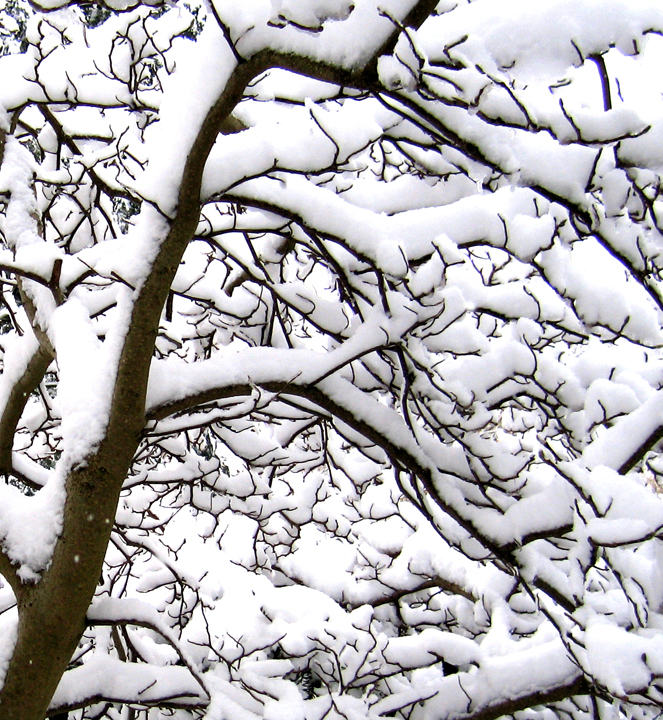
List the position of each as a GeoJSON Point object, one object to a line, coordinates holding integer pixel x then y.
{"type": "Point", "coordinates": [312, 14]}
{"type": "Point", "coordinates": [106, 676]}
{"type": "Point", "coordinates": [622, 661]}
{"type": "Point", "coordinates": [30, 526]}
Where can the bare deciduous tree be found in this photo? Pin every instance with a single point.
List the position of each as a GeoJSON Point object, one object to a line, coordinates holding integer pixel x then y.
{"type": "Point", "coordinates": [331, 360]}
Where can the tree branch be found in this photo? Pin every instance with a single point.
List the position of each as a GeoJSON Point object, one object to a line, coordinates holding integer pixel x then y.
{"type": "Point", "coordinates": [133, 683]}
{"type": "Point", "coordinates": [577, 686]}
{"type": "Point", "coordinates": [36, 363]}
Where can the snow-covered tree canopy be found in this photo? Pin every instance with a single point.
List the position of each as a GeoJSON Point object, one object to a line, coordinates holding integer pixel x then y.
{"type": "Point", "coordinates": [332, 360]}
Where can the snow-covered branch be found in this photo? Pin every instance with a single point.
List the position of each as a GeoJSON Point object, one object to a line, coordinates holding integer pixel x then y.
{"type": "Point", "coordinates": [106, 680]}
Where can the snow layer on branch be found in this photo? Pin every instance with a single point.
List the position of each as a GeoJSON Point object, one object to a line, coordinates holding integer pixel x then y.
{"type": "Point", "coordinates": [620, 442]}
{"type": "Point", "coordinates": [423, 648]}
{"type": "Point", "coordinates": [329, 31]}
{"type": "Point", "coordinates": [29, 526]}
{"type": "Point", "coordinates": [201, 74]}
{"type": "Point", "coordinates": [539, 41]}
{"type": "Point", "coordinates": [498, 680]}
{"type": "Point", "coordinates": [307, 139]}
{"type": "Point", "coordinates": [390, 240]}
{"type": "Point", "coordinates": [628, 511]}
{"type": "Point", "coordinates": [104, 677]}
{"type": "Point", "coordinates": [602, 293]}
{"type": "Point", "coordinates": [173, 380]}
{"type": "Point", "coordinates": [622, 661]}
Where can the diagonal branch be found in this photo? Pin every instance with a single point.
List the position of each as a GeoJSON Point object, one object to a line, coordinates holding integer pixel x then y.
{"type": "Point", "coordinates": [502, 708]}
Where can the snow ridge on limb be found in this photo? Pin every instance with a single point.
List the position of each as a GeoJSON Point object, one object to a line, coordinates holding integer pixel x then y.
{"type": "Point", "coordinates": [104, 679]}
{"type": "Point", "coordinates": [161, 686]}
{"type": "Point", "coordinates": [342, 43]}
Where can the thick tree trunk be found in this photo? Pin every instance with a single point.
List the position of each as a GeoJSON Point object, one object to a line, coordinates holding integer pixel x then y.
{"type": "Point", "coordinates": [52, 611]}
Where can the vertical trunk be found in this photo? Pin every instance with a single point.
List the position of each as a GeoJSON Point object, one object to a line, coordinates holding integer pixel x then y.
{"type": "Point", "coordinates": [52, 611]}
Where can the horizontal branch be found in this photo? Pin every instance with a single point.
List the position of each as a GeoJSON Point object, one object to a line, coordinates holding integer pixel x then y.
{"type": "Point", "coordinates": [501, 686]}
{"type": "Point", "coordinates": [577, 686]}
{"type": "Point", "coordinates": [166, 703]}
{"type": "Point", "coordinates": [437, 583]}
{"type": "Point", "coordinates": [15, 269]}
{"type": "Point", "coordinates": [107, 679]}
